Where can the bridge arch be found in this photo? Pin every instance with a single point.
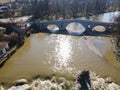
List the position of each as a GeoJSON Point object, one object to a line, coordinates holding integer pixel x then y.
{"type": "Point", "coordinates": [52, 28]}
{"type": "Point", "coordinates": [99, 28]}
{"type": "Point", "coordinates": [75, 28]}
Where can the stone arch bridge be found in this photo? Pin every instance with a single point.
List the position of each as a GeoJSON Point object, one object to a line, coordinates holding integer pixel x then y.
{"type": "Point", "coordinates": [41, 26]}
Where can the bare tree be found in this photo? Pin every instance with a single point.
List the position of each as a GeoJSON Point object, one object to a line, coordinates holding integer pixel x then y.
{"type": "Point", "coordinates": [74, 8]}
{"type": "Point", "coordinates": [47, 9]}
{"type": "Point", "coordinates": [117, 22]}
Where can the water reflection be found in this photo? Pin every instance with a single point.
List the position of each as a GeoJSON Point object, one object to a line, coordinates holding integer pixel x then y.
{"type": "Point", "coordinates": [62, 53]}
{"type": "Point", "coordinates": [75, 28]}
{"type": "Point", "coordinates": [53, 28]}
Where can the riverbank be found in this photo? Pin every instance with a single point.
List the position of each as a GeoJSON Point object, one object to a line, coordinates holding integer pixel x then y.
{"type": "Point", "coordinates": [15, 38]}
{"type": "Point", "coordinates": [13, 43]}
{"type": "Point", "coordinates": [115, 47]}
{"type": "Point", "coordinates": [7, 55]}
{"type": "Point", "coordinates": [61, 83]}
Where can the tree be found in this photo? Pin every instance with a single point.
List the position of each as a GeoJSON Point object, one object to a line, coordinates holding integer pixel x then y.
{"type": "Point", "coordinates": [47, 9]}
{"type": "Point", "coordinates": [100, 6]}
{"type": "Point", "coordinates": [74, 8]}
{"type": "Point", "coordinates": [63, 8]}
{"type": "Point", "coordinates": [117, 22]}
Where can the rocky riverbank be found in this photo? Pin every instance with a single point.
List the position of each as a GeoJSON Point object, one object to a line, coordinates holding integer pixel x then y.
{"type": "Point", "coordinates": [97, 83]}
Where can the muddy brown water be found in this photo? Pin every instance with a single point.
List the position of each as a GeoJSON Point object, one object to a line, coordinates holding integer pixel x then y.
{"type": "Point", "coordinates": [44, 55]}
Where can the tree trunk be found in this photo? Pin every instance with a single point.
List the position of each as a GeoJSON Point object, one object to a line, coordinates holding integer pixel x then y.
{"type": "Point", "coordinates": [118, 42]}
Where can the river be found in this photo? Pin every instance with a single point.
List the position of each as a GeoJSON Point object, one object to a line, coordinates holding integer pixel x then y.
{"type": "Point", "coordinates": [65, 56]}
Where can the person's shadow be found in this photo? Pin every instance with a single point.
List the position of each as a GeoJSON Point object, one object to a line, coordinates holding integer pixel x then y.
{"type": "Point", "coordinates": [84, 80]}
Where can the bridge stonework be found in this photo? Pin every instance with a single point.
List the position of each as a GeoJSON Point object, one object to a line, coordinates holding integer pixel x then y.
{"type": "Point", "coordinates": [62, 24]}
